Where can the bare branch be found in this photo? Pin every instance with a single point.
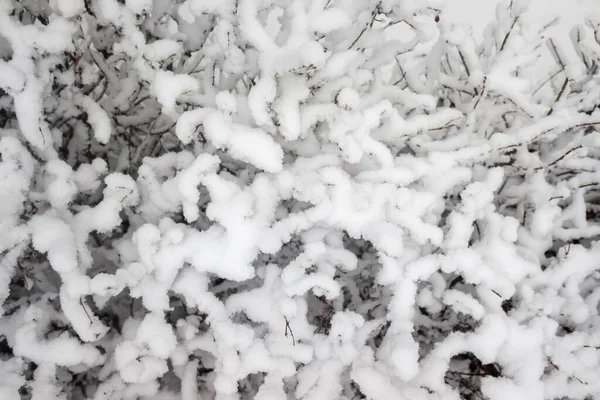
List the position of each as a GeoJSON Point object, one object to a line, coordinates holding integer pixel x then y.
{"type": "Point", "coordinates": [288, 328]}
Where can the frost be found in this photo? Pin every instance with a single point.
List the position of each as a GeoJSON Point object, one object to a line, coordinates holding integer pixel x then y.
{"type": "Point", "coordinates": [139, 6]}
{"type": "Point", "coordinates": [97, 118]}
{"type": "Point", "coordinates": [167, 87]}
{"type": "Point", "coordinates": [70, 8]}
{"type": "Point", "coordinates": [55, 237]}
{"type": "Point", "coordinates": [12, 371]}
{"type": "Point", "coordinates": [296, 200]}
{"type": "Point", "coordinates": [246, 144]}
{"type": "Point", "coordinates": [13, 80]}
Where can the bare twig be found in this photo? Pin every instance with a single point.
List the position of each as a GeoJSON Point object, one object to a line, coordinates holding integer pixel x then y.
{"type": "Point", "coordinates": [86, 311]}
{"type": "Point", "coordinates": [560, 158]}
{"type": "Point", "coordinates": [559, 96]}
{"type": "Point", "coordinates": [448, 125]}
{"type": "Point", "coordinates": [402, 20]}
{"type": "Point", "coordinates": [459, 90]}
{"type": "Point", "coordinates": [462, 59]}
{"type": "Point", "coordinates": [478, 230]}
{"type": "Point", "coordinates": [369, 25]}
{"type": "Point", "coordinates": [401, 71]}
{"type": "Point", "coordinates": [549, 24]}
{"type": "Point", "coordinates": [358, 37]}
{"type": "Point", "coordinates": [288, 328]}
{"type": "Point", "coordinates": [508, 33]}
{"type": "Point", "coordinates": [512, 146]}
{"type": "Point", "coordinates": [548, 80]}
{"type": "Point", "coordinates": [556, 53]}
{"type": "Point", "coordinates": [482, 93]}
{"type": "Point", "coordinates": [467, 373]}
{"type": "Point", "coordinates": [558, 369]}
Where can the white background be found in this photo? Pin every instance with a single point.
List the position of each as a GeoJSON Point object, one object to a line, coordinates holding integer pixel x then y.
{"type": "Point", "coordinates": [479, 12]}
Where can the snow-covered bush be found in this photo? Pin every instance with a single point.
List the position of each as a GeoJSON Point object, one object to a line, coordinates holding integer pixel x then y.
{"type": "Point", "coordinates": [296, 199]}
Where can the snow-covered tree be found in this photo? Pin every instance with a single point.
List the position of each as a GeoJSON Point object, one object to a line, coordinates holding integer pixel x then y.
{"type": "Point", "coordinates": [296, 199]}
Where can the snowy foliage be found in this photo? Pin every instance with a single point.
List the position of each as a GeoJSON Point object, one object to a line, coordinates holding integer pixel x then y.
{"type": "Point", "coordinates": [296, 199]}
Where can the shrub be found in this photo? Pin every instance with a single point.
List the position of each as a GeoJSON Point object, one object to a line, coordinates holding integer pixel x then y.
{"type": "Point", "coordinates": [295, 200]}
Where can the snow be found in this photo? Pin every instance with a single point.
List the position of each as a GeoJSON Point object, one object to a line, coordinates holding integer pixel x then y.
{"type": "Point", "coordinates": [97, 118]}
{"type": "Point", "coordinates": [62, 351]}
{"type": "Point", "coordinates": [167, 87]}
{"type": "Point", "coordinates": [55, 237]}
{"type": "Point", "coordinates": [298, 200]}
{"type": "Point", "coordinates": [247, 144]}
{"type": "Point", "coordinates": [464, 303]}
{"type": "Point", "coordinates": [139, 6]}
{"type": "Point", "coordinates": [13, 379]}
{"type": "Point", "coordinates": [70, 8]}
{"type": "Point", "coordinates": [13, 80]}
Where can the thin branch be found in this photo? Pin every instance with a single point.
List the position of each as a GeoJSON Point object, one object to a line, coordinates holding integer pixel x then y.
{"type": "Point", "coordinates": [559, 96]}
{"type": "Point", "coordinates": [448, 125]}
{"type": "Point", "coordinates": [459, 90]}
{"type": "Point", "coordinates": [482, 93]}
{"type": "Point", "coordinates": [478, 230]}
{"type": "Point", "coordinates": [401, 71]}
{"type": "Point", "coordinates": [402, 20]}
{"type": "Point", "coordinates": [549, 24]}
{"type": "Point", "coordinates": [462, 58]}
{"type": "Point", "coordinates": [467, 373]}
{"type": "Point", "coordinates": [555, 50]}
{"type": "Point", "coordinates": [512, 146]}
{"type": "Point", "coordinates": [356, 40]}
{"type": "Point", "coordinates": [86, 311]}
{"type": "Point", "coordinates": [548, 80]}
{"type": "Point", "coordinates": [508, 33]}
{"type": "Point", "coordinates": [560, 158]}
{"type": "Point", "coordinates": [289, 328]}
{"type": "Point", "coordinates": [374, 13]}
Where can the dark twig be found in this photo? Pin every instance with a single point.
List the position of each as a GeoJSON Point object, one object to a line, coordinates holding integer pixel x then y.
{"type": "Point", "coordinates": [86, 311]}
{"type": "Point", "coordinates": [467, 373]}
{"type": "Point", "coordinates": [559, 96]}
{"type": "Point", "coordinates": [508, 33]}
{"type": "Point", "coordinates": [448, 125]}
{"type": "Point", "coordinates": [370, 25]}
{"type": "Point", "coordinates": [559, 159]}
{"type": "Point", "coordinates": [558, 369]}
{"type": "Point", "coordinates": [548, 80]}
{"type": "Point", "coordinates": [289, 328]}
{"type": "Point", "coordinates": [555, 50]}
{"type": "Point", "coordinates": [482, 92]}
{"type": "Point", "coordinates": [464, 63]}
{"type": "Point", "coordinates": [401, 71]}
{"type": "Point", "coordinates": [358, 37]}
